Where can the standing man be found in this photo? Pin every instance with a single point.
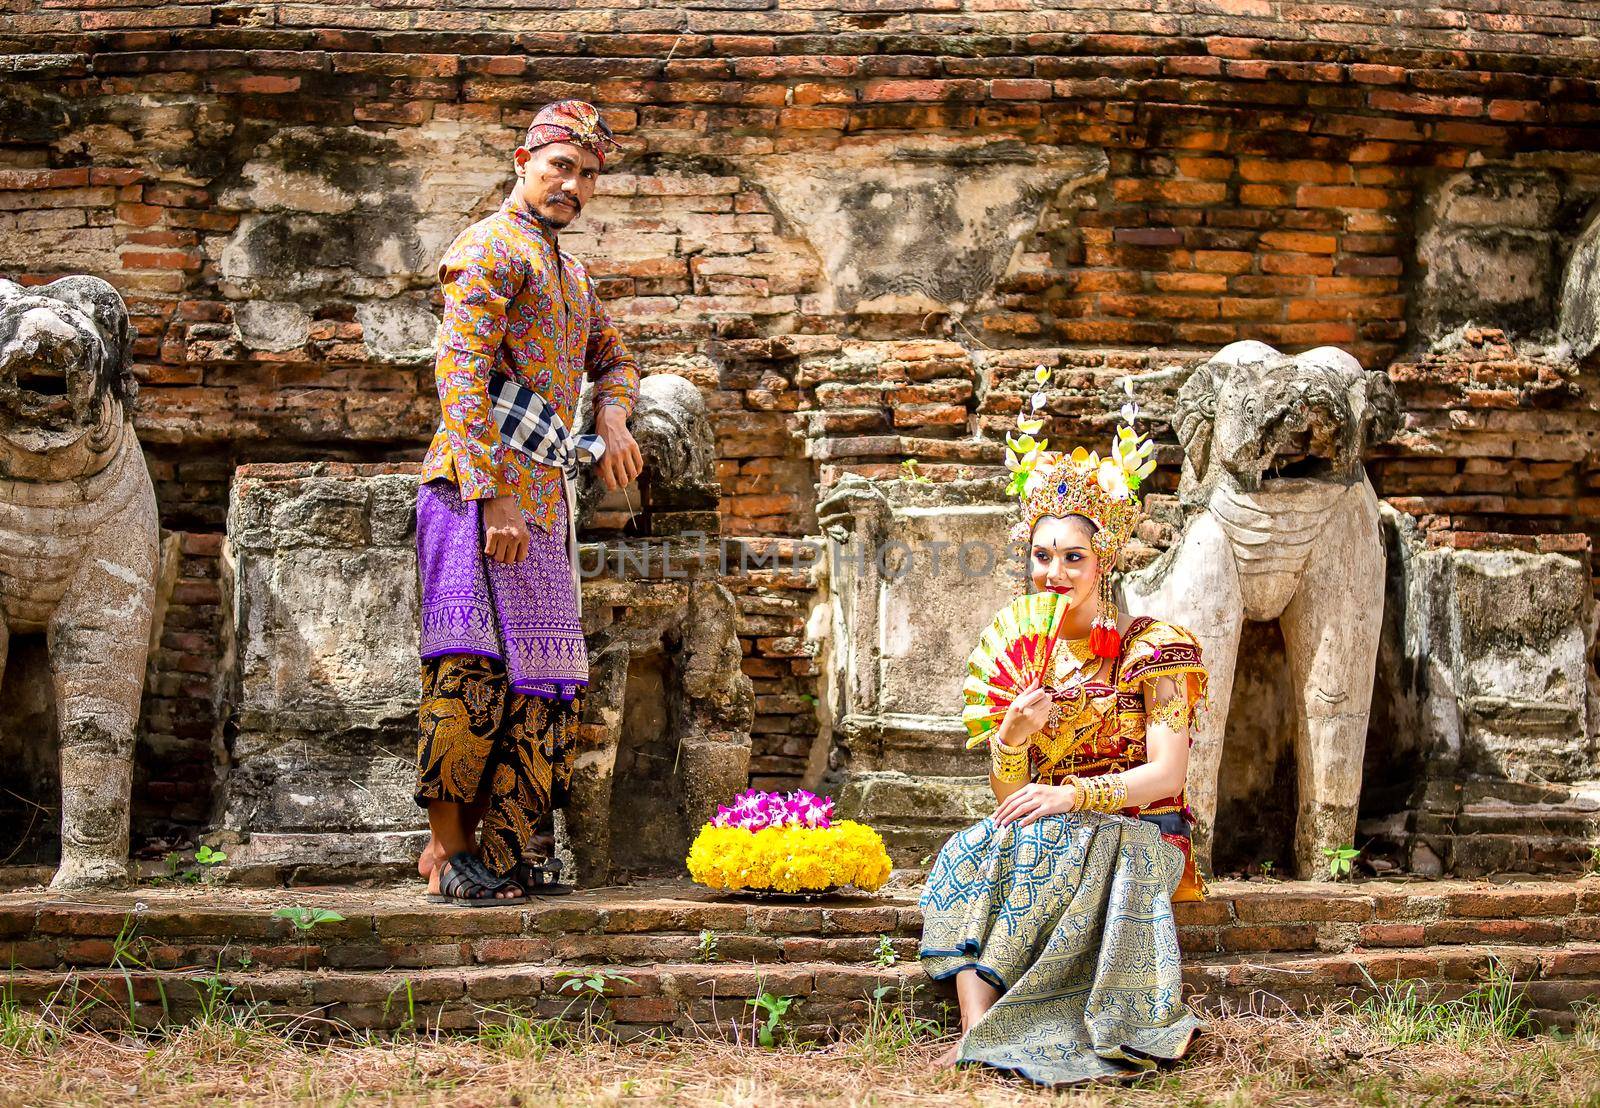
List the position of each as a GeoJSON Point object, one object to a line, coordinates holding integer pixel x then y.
{"type": "Point", "coordinates": [504, 663]}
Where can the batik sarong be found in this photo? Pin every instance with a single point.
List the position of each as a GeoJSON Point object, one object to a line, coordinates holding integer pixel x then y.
{"type": "Point", "coordinates": [524, 614]}
{"type": "Point", "coordinates": [1071, 918]}
{"type": "Point", "coordinates": [481, 743]}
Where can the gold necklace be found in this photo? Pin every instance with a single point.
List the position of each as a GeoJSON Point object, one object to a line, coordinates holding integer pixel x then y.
{"type": "Point", "coordinates": [1079, 649]}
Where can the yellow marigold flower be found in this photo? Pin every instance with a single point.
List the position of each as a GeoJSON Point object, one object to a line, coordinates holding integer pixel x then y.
{"type": "Point", "coordinates": [789, 859]}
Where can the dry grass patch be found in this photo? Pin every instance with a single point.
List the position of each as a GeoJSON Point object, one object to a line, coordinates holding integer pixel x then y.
{"type": "Point", "coordinates": [1389, 1052]}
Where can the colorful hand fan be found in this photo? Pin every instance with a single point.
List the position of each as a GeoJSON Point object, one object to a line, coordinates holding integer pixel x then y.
{"type": "Point", "coordinates": [1013, 650]}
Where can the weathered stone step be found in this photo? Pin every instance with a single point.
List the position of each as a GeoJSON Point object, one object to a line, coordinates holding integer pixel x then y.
{"type": "Point", "coordinates": [393, 927]}
{"type": "Point", "coordinates": [393, 955]}
{"type": "Point", "coordinates": [683, 997]}
{"type": "Point", "coordinates": [1491, 825]}
{"type": "Point", "coordinates": [695, 998]}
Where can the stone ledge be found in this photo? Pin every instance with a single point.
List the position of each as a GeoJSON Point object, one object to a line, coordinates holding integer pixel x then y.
{"type": "Point", "coordinates": [1292, 945]}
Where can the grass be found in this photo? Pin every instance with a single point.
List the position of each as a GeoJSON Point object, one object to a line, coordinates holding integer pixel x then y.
{"type": "Point", "coordinates": [1403, 1014]}
{"type": "Point", "coordinates": [1397, 1047]}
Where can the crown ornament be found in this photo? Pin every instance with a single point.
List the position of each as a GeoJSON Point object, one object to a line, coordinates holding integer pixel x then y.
{"type": "Point", "coordinates": [1104, 490]}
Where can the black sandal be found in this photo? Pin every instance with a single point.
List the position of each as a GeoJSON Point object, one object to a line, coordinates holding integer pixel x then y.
{"type": "Point", "coordinates": [465, 881]}
{"type": "Point", "coordinates": [542, 879]}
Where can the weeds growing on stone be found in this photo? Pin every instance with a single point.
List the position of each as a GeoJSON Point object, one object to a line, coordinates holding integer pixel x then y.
{"type": "Point", "coordinates": [884, 956]}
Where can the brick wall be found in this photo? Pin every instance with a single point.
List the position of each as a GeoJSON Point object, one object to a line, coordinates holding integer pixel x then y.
{"type": "Point", "coordinates": [271, 184]}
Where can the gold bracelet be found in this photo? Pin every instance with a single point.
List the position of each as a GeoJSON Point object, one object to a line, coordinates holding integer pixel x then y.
{"type": "Point", "coordinates": [1106, 792]}
{"type": "Point", "coordinates": [1174, 712]}
{"type": "Point", "coordinates": [1008, 763]}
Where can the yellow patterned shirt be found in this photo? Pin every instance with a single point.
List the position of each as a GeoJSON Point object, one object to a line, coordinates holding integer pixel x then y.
{"type": "Point", "coordinates": [516, 304]}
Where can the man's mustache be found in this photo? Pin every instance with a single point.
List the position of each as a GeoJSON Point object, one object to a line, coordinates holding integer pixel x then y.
{"type": "Point", "coordinates": [564, 198]}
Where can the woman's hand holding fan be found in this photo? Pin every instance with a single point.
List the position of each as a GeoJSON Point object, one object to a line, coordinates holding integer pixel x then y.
{"type": "Point", "coordinates": [1027, 714]}
{"type": "Point", "coordinates": [1011, 660]}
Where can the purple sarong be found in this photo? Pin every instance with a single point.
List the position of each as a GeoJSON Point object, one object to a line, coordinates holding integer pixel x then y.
{"type": "Point", "coordinates": [525, 614]}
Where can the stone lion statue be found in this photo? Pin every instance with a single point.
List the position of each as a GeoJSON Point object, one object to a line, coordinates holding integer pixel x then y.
{"type": "Point", "coordinates": [1281, 524]}
{"type": "Point", "coordinates": [78, 545]}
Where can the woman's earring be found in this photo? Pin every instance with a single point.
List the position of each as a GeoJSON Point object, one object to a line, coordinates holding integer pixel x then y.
{"type": "Point", "coordinates": [1105, 641]}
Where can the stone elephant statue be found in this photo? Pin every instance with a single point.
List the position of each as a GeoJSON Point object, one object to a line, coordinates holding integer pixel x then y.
{"type": "Point", "coordinates": [78, 545]}
{"type": "Point", "coordinates": [1281, 524]}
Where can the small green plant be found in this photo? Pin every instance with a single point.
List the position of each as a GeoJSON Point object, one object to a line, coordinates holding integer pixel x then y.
{"type": "Point", "coordinates": [707, 950]}
{"type": "Point", "coordinates": [1593, 867]}
{"type": "Point", "coordinates": [1341, 860]}
{"type": "Point", "coordinates": [591, 982]}
{"type": "Point", "coordinates": [179, 871]}
{"type": "Point", "coordinates": [306, 919]}
{"type": "Point", "coordinates": [1402, 1013]}
{"type": "Point", "coordinates": [37, 1031]}
{"type": "Point", "coordinates": [909, 472]}
{"type": "Point", "coordinates": [775, 1008]}
{"type": "Point", "coordinates": [884, 955]}
{"type": "Point", "coordinates": [1265, 866]}
{"type": "Point", "coordinates": [520, 1034]}
{"type": "Point", "coordinates": [220, 1011]}
{"type": "Point", "coordinates": [408, 1026]}
{"type": "Point", "coordinates": [128, 953]}
{"type": "Point", "coordinates": [892, 1027]}
{"type": "Point", "coordinates": [589, 987]}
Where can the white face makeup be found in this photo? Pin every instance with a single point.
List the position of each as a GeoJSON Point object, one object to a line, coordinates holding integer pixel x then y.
{"type": "Point", "coordinates": [1062, 560]}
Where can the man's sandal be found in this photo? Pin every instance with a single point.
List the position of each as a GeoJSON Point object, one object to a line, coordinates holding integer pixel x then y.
{"type": "Point", "coordinates": [466, 882]}
{"type": "Point", "coordinates": [542, 879]}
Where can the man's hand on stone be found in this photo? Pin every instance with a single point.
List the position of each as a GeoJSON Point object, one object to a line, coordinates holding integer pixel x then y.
{"type": "Point", "coordinates": [622, 461]}
{"type": "Point", "coordinates": [505, 533]}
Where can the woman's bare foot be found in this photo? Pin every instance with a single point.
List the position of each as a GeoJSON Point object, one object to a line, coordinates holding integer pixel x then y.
{"type": "Point", "coordinates": [428, 863]}
{"type": "Point", "coordinates": [947, 1059]}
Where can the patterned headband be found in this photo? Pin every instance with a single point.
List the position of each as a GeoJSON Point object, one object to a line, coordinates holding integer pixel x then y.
{"type": "Point", "coordinates": [573, 121]}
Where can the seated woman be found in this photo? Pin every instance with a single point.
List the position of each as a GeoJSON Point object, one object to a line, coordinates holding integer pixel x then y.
{"type": "Point", "coordinates": [1054, 915]}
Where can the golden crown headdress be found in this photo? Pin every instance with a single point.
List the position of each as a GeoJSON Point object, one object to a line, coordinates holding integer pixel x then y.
{"type": "Point", "coordinates": [1104, 490]}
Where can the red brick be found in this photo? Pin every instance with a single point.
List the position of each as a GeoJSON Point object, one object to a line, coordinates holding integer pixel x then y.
{"type": "Point", "coordinates": [1299, 242]}
{"type": "Point", "coordinates": [1517, 111]}
{"type": "Point", "coordinates": [1292, 937]}
{"type": "Point", "coordinates": [1366, 74]}
{"type": "Point", "coordinates": [1294, 172]}
{"type": "Point", "coordinates": [1020, 89]}
{"type": "Point", "coordinates": [1511, 903]}
{"type": "Point", "coordinates": [835, 119]}
{"type": "Point", "coordinates": [139, 215]}
{"type": "Point", "coordinates": [1169, 192]}
{"type": "Point", "coordinates": [885, 89]}
{"type": "Point", "coordinates": [270, 85]}
{"type": "Point", "coordinates": [43, 178]}
{"type": "Point", "coordinates": [1392, 934]}
{"type": "Point", "coordinates": [1285, 908]}
{"type": "Point", "coordinates": [1223, 261]}
{"type": "Point", "coordinates": [1465, 106]}
{"type": "Point", "coordinates": [1263, 196]}
{"type": "Point", "coordinates": [1296, 263]}
{"type": "Point", "coordinates": [160, 259]}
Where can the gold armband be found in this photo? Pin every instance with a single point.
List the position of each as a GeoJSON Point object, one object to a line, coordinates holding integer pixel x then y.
{"type": "Point", "coordinates": [1174, 712]}
{"type": "Point", "coordinates": [1105, 793]}
{"type": "Point", "coordinates": [1008, 763]}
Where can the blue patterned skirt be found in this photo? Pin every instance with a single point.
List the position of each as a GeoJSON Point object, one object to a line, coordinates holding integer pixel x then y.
{"type": "Point", "coordinates": [1071, 918]}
